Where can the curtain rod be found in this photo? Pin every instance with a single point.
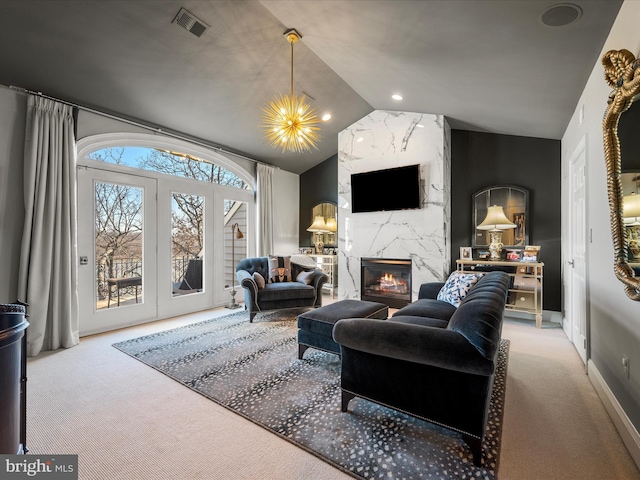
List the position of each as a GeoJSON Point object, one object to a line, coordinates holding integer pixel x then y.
{"type": "Point", "coordinates": [176, 135]}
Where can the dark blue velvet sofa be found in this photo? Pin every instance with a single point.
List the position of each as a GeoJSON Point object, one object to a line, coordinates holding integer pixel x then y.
{"type": "Point", "coordinates": [430, 359]}
{"type": "Point", "coordinates": [275, 296]}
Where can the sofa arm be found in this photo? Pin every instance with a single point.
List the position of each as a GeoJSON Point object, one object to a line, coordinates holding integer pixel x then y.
{"type": "Point", "coordinates": [433, 346]}
{"type": "Point", "coordinates": [430, 290]}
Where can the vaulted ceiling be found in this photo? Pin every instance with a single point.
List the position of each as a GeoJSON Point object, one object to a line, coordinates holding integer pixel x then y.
{"type": "Point", "coordinates": [487, 65]}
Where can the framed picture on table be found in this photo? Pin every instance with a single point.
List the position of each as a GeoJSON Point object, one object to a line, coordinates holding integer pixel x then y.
{"type": "Point", "coordinates": [531, 253]}
{"type": "Point", "coordinates": [513, 255]}
{"type": "Point", "coordinates": [465, 253]}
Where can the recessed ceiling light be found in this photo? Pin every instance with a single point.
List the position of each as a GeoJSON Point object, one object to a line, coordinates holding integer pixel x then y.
{"type": "Point", "coordinates": [419, 125]}
{"type": "Point", "coordinates": [395, 96]}
{"type": "Point", "coordinates": [326, 116]}
{"type": "Point", "coordinates": [359, 139]}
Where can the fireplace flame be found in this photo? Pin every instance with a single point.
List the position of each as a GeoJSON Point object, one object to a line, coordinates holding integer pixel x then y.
{"type": "Point", "coordinates": [389, 283]}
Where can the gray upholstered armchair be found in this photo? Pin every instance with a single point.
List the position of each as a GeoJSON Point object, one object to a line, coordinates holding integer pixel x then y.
{"type": "Point", "coordinates": [301, 288]}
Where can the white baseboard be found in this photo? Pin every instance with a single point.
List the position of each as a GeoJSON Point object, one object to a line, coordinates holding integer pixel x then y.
{"type": "Point", "coordinates": [627, 431]}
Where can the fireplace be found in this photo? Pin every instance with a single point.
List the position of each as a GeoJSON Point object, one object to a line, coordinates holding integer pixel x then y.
{"type": "Point", "coordinates": [386, 280]}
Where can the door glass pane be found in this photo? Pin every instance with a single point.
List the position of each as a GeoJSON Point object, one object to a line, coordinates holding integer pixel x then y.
{"type": "Point", "coordinates": [235, 239]}
{"type": "Point", "coordinates": [187, 243]}
{"type": "Point", "coordinates": [118, 245]}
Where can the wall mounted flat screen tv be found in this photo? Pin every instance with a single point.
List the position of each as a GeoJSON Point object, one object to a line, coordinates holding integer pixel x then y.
{"type": "Point", "coordinates": [383, 190]}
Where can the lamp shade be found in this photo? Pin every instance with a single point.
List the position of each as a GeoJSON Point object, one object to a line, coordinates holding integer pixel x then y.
{"type": "Point", "coordinates": [496, 220]}
{"type": "Point", "coordinates": [631, 207]}
{"type": "Point", "coordinates": [318, 225]}
{"type": "Point", "coordinates": [332, 225]}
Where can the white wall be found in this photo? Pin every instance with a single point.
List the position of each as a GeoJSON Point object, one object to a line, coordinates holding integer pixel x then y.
{"type": "Point", "coordinates": [12, 128]}
{"type": "Point", "coordinates": [614, 318]}
{"type": "Point", "coordinates": [286, 216]}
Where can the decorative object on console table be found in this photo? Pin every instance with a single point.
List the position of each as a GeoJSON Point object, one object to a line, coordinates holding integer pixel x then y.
{"type": "Point", "coordinates": [519, 233]}
{"type": "Point", "coordinates": [513, 254]}
{"type": "Point", "coordinates": [531, 253]}
{"type": "Point", "coordinates": [525, 294]}
{"type": "Point", "coordinates": [495, 222]}
{"type": "Point", "coordinates": [465, 252]}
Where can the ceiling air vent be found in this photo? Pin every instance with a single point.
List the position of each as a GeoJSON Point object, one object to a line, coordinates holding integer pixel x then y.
{"type": "Point", "coordinates": [188, 21]}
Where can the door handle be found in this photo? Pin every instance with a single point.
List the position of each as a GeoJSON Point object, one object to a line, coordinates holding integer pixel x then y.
{"type": "Point", "coordinates": [571, 262]}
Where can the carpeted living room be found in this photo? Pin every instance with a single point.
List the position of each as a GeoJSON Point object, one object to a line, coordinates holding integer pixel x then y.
{"type": "Point", "coordinates": [319, 239]}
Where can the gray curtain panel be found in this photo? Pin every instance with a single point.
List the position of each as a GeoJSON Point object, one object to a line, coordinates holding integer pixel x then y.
{"type": "Point", "coordinates": [48, 260]}
{"type": "Point", "coordinates": [265, 209]}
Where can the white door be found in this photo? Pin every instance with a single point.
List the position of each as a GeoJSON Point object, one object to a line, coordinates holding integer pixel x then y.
{"type": "Point", "coordinates": [185, 250]}
{"type": "Point", "coordinates": [576, 298]}
{"type": "Point", "coordinates": [117, 234]}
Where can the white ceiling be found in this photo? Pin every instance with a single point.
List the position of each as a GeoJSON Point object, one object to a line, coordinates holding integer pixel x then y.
{"type": "Point", "coordinates": [487, 65]}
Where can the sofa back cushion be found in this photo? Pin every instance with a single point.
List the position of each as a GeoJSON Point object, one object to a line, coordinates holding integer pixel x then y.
{"type": "Point", "coordinates": [479, 316]}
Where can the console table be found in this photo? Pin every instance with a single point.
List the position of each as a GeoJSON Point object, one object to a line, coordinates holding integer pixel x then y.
{"type": "Point", "coordinates": [525, 293]}
{"type": "Point", "coordinates": [327, 264]}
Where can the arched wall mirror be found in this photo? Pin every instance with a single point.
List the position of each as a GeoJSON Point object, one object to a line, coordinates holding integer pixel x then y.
{"type": "Point", "coordinates": [515, 204]}
{"type": "Point", "coordinates": [327, 224]}
{"type": "Point", "coordinates": [622, 156]}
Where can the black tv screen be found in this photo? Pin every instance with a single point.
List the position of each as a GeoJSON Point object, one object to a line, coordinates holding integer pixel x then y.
{"type": "Point", "coordinates": [382, 190]}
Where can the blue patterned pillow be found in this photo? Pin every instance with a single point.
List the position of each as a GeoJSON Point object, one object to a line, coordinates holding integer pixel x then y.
{"type": "Point", "coordinates": [457, 286]}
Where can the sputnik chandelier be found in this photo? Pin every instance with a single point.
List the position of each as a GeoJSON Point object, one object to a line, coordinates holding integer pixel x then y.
{"type": "Point", "coordinates": [289, 121]}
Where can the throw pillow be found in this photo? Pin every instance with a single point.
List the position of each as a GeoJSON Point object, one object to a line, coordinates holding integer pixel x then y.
{"type": "Point", "coordinates": [259, 279]}
{"type": "Point", "coordinates": [457, 286]}
{"type": "Point", "coordinates": [279, 269]}
{"type": "Point", "coordinates": [305, 277]}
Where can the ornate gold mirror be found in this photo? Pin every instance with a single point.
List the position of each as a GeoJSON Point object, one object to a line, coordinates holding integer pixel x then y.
{"type": "Point", "coordinates": [622, 163]}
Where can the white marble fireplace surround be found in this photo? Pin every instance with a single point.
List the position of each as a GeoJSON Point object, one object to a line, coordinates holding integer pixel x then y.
{"type": "Point", "coordinates": [388, 139]}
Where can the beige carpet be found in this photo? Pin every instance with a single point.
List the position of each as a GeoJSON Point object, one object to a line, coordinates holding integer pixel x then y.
{"type": "Point", "coordinates": [127, 421]}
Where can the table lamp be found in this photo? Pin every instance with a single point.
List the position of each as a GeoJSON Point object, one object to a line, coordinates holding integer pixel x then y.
{"type": "Point", "coordinates": [495, 222]}
{"type": "Point", "coordinates": [318, 227]}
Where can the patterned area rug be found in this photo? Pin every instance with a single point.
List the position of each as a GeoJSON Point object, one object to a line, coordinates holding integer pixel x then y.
{"type": "Point", "coordinates": [253, 370]}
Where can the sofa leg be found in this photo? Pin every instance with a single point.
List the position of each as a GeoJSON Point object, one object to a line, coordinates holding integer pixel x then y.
{"type": "Point", "coordinates": [346, 398]}
{"type": "Point", "coordinates": [251, 316]}
{"type": "Point", "coordinates": [301, 349]}
{"type": "Point", "coordinates": [476, 449]}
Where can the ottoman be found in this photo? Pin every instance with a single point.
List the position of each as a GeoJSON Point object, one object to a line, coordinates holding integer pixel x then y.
{"type": "Point", "coordinates": [315, 327]}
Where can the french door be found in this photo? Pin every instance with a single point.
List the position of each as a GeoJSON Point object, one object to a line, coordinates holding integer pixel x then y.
{"type": "Point", "coordinates": [117, 231]}
{"type": "Point", "coordinates": [158, 246]}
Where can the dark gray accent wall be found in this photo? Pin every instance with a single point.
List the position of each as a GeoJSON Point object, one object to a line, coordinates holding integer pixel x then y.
{"type": "Point", "coordinates": [480, 160]}
{"type": "Point", "coordinates": [317, 185]}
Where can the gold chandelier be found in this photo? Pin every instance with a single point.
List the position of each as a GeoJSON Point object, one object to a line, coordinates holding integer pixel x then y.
{"type": "Point", "coordinates": [289, 121]}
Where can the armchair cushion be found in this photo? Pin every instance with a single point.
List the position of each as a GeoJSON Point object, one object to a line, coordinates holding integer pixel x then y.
{"type": "Point", "coordinates": [286, 291]}
{"type": "Point", "coordinates": [457, 286]}
{"type": "Point", "coordinates": [259, 279]}
{"type": "Point", "coordinates": [305, 277]}
{"type": "Point", "coordinates": [279, 269]}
